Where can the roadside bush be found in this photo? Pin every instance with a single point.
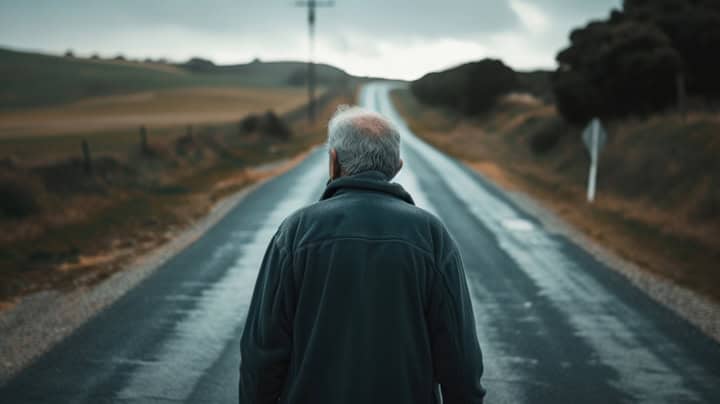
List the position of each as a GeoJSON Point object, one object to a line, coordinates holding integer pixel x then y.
{"type": "Point", "coordinates": [708, 206]}
{"type": "Point", "coordinates": [185, 145]}
{"type": "Point", "coordinates": [547, 135]}
{"type": "Point", "coordinates": [616, 69]}
{"type": "Point", "coordinates": [267, 124]}
{"type": "Point", "coordinates": [18, 197]}
{"type": "Point", "coordinates": [273, 125]}
{"type": "Point", "coordinates": [250, 123]}
{"type": "Point", "coordinates": [69, 176]}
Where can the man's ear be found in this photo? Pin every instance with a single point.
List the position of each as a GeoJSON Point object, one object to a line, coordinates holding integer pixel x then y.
{"type": "Point", "coordinates": [400, 166]}
{"type": "Point", "coordinates": [335, 171]}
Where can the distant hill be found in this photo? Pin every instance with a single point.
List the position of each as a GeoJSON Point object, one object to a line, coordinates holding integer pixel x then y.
{"type": "Point", "coordinates": [474, 87]}
{"type": "Point", "coordinates": [31, 79]}
{"type": "Point", "coordinates": [537, 83]}
{"type": "Point", "coordinates": [269, 73]}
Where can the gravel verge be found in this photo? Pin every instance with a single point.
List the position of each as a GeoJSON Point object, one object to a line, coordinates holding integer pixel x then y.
{"type": "Point", "coordinates": [39, 321]}
{"type": "Point", "coordinates": [700, 311]}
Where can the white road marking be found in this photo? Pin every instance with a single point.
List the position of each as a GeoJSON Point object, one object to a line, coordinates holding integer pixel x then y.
{"type": "Point", "coordinates": [518, 225]}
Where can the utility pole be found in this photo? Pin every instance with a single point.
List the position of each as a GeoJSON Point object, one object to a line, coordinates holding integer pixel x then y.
{"type": "Point", "coordinates": [87, 159]}
{"type": "Point", "coordinates": [311, 6]}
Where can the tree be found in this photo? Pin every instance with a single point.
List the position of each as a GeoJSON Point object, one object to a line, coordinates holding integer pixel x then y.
{"type": "Point", "coordinates": [616, 68]}
{"type": "Point", "coordinates": [630, 63]}
{"type": "Point", "coordinates": [693, 27]}
{"type": "Point", "coordinates": [470, 88]}
{"type": "Point", "coordinates": [199, 65]}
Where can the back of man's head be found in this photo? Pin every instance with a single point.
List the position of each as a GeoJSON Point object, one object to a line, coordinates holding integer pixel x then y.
{"type": "Point", "coordinates": [364, 141]}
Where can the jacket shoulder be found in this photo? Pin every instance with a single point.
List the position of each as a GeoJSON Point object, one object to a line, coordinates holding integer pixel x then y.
{"type": "Point", "coordinates": [421, 227]}
{"type": "Point", "coordinates": [291, 226]}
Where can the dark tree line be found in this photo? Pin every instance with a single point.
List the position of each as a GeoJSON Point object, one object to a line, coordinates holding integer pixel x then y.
{"type": "Point", "coordinates": [469, 88]}
{"type": "Point", "coordinates": [640, 60]}
{"type": "Point", "coordinates": [199, 65]}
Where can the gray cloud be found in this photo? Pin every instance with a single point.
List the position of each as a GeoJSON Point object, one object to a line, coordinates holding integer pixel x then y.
{"type": "Point", "coordinates": [398, 17]}
{"type": "Point", "coordinates": [259, 26]}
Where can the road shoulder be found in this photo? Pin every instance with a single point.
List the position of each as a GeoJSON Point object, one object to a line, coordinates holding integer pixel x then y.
{"type": "Point", "coordinates": [697, 309]}
{"type": "Point", "coordinates": [608, 242]}
{"type": "Point", "coordinates": [39, 321]}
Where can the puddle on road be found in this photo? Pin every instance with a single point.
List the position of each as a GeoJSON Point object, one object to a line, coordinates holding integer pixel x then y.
{"type": "Point", "coordinates": [517, 225]}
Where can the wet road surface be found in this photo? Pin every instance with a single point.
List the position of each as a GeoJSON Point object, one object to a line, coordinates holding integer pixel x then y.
{"type": "Point", "coordinates": [555, 325]}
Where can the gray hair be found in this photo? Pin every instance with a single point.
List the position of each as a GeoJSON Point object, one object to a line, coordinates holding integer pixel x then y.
{"type": "Point", "coordinates": [364, 141]}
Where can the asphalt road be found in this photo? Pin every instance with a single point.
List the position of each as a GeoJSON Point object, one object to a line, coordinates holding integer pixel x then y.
{"type": "Point", "coordinates": [555, 325]}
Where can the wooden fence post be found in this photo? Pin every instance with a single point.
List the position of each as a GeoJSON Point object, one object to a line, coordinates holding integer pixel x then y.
{"type": "Point", "coordinates": [87, 160]}
{"type": "Point", "coordinates": [143, 140]}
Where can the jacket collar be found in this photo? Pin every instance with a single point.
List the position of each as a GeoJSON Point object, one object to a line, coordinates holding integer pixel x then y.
{"type": "Point", "coordinates": [368, 181]}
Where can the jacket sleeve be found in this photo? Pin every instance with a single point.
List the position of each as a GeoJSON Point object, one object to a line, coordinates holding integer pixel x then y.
{"type": "Point", "coordinates": [457, 359]}
{"type": "Point", "coordinates": [267, 337]}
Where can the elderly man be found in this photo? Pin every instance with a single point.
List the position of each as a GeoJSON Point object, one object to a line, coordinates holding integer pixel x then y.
{"type": "Point", "coordinates": [361, 297]}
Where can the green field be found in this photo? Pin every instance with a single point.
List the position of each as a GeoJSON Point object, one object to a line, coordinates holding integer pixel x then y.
{"type": "Point", "coordinates": [33, 80]}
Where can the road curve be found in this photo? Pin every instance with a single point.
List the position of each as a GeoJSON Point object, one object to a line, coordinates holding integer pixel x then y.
{"type": "Point", "coordinates": [555, 325]}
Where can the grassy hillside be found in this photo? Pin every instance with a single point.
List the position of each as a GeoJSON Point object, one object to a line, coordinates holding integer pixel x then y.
{"type": "Point", "coordinates": [32, 80]}
{"type": "Point", "coordinates": [274, 73]}
{"type": "Point", "coordinates": [73, 222]}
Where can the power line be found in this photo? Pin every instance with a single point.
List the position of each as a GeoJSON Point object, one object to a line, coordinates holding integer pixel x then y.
{"type": "Point", "coordinates": [311, 6]}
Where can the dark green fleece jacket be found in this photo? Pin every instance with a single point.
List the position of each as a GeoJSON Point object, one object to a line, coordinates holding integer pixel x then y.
{"type": "Point", "coordinates": [361, 298]}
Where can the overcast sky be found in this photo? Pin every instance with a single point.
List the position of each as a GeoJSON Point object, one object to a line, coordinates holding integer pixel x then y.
{"type": "Point", "coordinates": [389, 38]}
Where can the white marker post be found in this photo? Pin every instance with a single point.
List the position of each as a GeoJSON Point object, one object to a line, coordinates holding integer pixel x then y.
{"type": "Point", "coordinates": [594, 137]}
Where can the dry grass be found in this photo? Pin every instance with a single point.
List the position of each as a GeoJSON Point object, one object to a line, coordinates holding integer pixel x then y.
{"type": "Point", "coordinates": [151, 108]}
{"type": "Point", "coordinates": [658, 186]}
{"type": "Point", "coordinates": [81, 237]}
